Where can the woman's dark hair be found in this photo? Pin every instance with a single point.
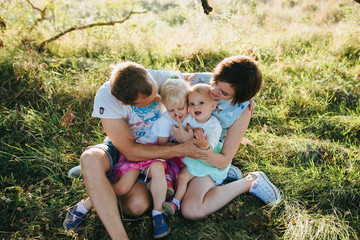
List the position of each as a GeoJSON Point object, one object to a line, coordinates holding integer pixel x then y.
{"type": "Point", "coordinates": [242, 74]}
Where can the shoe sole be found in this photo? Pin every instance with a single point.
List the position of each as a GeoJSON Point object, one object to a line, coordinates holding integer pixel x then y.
{"type": "Point", "coordinates": [162, 235]}
{"type": "Point", "coordinates": [75, 172]}
{"type": "Point", "coordinates": [70, 229]}
{"type": "Point", "coordinates": [65, 221]}
{"type": "Point", "coordinates": [273, 187]}
{"type": "Point", "coordinates": [168, 208]}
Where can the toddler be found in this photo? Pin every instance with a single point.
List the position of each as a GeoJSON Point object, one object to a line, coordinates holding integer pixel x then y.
{"type": "Point", "coordinates": [207, 131]}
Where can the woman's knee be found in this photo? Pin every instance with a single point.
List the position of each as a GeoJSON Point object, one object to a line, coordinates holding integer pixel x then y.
{"type": "Point", "coordinates": [191, 212]}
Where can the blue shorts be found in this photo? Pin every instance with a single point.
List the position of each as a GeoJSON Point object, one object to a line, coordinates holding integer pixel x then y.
{"type": "Point", "coordinates": [108, 147]}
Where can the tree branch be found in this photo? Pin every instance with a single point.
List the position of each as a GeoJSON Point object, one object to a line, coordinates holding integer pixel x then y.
{"type": "Point", "coordinates": [358, 1]}
{"type": "Point", "coordinates": [207, 8]}
{"type": "Point", "coordinates": [42, 12]}
{"type": "Point", "coordinates": [42, 45]}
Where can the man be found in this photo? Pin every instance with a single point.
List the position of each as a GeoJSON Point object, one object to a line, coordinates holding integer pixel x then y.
{"type": "Point", "coordinates": [127, 105]}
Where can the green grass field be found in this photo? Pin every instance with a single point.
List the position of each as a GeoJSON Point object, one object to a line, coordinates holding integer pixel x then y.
{"type": "Point", "coordinates": [305, 129]}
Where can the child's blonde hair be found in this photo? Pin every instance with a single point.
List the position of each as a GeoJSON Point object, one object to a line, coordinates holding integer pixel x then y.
{"type": "Point", "coordinates": [174, 92]}
{"type": "Point", "coordinates": [203, 89]}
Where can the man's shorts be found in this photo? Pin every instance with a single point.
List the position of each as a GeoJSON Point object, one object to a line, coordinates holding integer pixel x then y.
{"type": "Point", "coordinates": [108, 147]}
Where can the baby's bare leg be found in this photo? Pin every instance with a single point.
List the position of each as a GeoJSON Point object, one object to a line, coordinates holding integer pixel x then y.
{"type": "Point", "coordinates": [184, 178]}
{"type": "Point", "coordinates": [126, 182]}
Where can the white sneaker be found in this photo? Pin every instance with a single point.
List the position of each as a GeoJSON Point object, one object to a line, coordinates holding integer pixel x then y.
{"type": "Point", "coordinates": [264, 189]}
{"type": "Point", "coordinates": [233, 174]}
{"type": "Point", "coordinates": [75, 172]}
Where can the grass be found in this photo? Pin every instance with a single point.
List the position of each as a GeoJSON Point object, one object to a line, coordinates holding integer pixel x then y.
{"type": "Point", "coordinates": [305, 128]}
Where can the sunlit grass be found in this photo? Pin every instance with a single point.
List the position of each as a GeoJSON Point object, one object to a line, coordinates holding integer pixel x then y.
{"type": "Point", "coordinates": [305, 128]}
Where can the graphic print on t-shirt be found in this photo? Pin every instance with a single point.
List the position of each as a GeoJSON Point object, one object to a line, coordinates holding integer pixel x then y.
{"type": "Point", "coordinates": [141, 119]}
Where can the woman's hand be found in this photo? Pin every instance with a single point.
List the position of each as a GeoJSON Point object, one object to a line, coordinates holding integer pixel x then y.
{"type": "Point", "coordinates": [181, 134]}
{"type": "Point", "coordinates": [189, 77]}
{"type": "Point", "coordinates": [252, 106]}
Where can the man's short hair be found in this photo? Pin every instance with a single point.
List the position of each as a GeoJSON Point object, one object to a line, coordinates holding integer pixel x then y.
{"type": "Point", "coordinates": [128, 80]}
{"type": "Point", "coordinates": [242, 74]}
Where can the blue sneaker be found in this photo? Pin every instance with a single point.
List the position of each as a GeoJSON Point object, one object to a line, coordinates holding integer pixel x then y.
{"type": "Point", "coordinates": [73, 219]}
{"type": "Point", "coordinates": [233, 174]}
{"type": "Point", "coordinates": [161, 227]}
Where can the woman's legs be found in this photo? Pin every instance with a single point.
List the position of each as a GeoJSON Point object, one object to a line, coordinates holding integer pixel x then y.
{"type": "Point", "coordinates": [203, 197]}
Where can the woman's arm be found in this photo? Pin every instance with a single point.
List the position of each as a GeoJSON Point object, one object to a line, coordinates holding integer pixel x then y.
{"type": "Point", "coordinates": [231, 144]}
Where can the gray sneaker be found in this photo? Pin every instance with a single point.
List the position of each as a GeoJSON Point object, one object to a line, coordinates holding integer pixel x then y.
{"type": "Point", "coordinates": [233, 174]}
{"type": "Point", "coordinates": [75, 172]}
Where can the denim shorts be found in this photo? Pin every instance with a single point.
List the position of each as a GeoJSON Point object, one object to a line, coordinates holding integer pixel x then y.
{"type": "Point", "coordinates": [108, 147]}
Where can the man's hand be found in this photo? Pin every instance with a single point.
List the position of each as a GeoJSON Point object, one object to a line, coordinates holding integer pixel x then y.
{"type": "Point", "coordinates": [181, 134]}
{"type": "Point", "coordinates": [195, 152]}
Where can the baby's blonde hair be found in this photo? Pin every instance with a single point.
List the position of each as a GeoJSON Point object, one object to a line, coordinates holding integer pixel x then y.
{"type": "Point", "coordinates": [174, 92]}
{"type": "Point", "coordinates": [203, 89]}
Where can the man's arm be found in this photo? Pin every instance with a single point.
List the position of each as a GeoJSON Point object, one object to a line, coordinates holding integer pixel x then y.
{"type": "Point", "coordinates": [119, 133]}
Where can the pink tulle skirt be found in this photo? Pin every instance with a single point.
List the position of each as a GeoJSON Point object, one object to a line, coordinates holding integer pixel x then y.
{"type": "Point", "coordinates": [123, 166]}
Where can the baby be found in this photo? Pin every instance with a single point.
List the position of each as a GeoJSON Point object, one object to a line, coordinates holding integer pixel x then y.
{"type": "Point", "coordinates": [207, 131]}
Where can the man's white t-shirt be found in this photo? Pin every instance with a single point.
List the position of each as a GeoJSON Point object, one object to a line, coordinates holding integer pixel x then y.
{"type": "Point", "coordinates": [139, 120]}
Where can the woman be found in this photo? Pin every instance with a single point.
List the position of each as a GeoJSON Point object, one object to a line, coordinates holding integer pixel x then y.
{"type": "Point", "coordinates": [234, 82]}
